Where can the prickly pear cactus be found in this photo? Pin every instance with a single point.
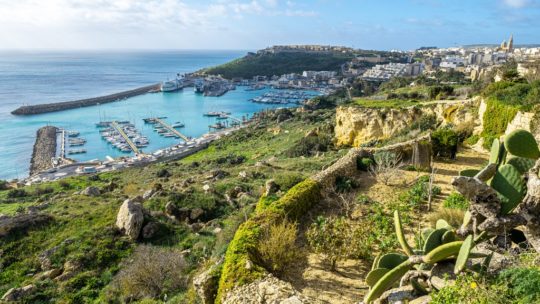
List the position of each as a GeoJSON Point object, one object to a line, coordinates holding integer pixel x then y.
{"type": "Point", "coordinates": [509, 183]}
{"type": "Point", "coordinates": [522, 143]}
{"type": "Point", "coordinates": [522, 164]}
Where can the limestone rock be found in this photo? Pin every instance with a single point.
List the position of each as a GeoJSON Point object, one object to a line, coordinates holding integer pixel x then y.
{"type": "Point", "coordinates": [71, 268]}
{"type": "Point", "coordinates": [17, 294]}
{"type": "Point", "coordinates": [268, 290]}
{"type": "Point", "coordinates": [206, 284]}
{"type": "Point", "coordinates": [91, 191]}
{"type": "Point", "coordinates": [397, 295]}
{"type": "Point", "coordinates": [421, 300]}
{"type": "Point", "coordinates": [49, 274]}
{"type": "Point", "coordinates": [271, 187]}
{"type": "Point", "coordinates": [195, 214]}
{"type": "Point", "coordinates": [180, 214]}
{"type": "Point", "coordinates": [130, 218]}
{"type": "Point", "coordinates": [148, 194]}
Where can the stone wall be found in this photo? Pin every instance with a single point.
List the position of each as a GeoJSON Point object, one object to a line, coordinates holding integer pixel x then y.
{"type": "Point", "coordinates": [44, 149]}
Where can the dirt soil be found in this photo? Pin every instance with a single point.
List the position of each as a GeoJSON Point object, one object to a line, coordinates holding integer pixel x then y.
{"type": "Point", "coordinates": [346, 285]}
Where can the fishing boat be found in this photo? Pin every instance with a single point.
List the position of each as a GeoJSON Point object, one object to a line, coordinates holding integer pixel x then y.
{"type": "Point", "coordinates": [178, 125]}
{"type": "Point", "coordinates": [217, 126]}
{"type": "Point", "coordinates": [73, 133]}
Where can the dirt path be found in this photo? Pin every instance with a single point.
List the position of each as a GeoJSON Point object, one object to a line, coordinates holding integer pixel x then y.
{"type": "Point", "coordinates": [346, 285]}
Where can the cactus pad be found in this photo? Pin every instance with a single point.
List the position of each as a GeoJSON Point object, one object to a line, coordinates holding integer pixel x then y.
{"type": "Point", "coordinates": [522, 143]}
{"type": "Point", "coordinates": [510, 185]}
{"type": "Point", "coordinates": [434, 240]}
{"type": "Point", "coordinates": [467, 217]}
{"type": "Point", "coordinates": [522, 164]}
{"type": "Point", "coordinates": [400, 235]}
{"type": "Point", "coordinates": [463, 255]}
{"type": "Point", "coordinates": [442, 252]}
{"type": "Point", "coordinates": [495, 152]}
{"type": "Point", "coordinates": [391, 260]}
{"type": "Point", "coordinates": [448, 237]}
{"type": "Point", "coordinates": [375, 275]}
{"type": "Point", "coordinates": [442, 224]}
{"type": "Point", "coordinates": [387, 281]}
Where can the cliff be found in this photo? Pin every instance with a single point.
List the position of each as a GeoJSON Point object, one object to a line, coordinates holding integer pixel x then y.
{"type": "Point", "coordinates": [358, 125]}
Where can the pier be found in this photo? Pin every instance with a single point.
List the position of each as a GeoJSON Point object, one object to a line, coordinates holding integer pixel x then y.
{"type": "Point", "coordinates": [44, 149]}
{"type": "Point", "coordinates": [171, 129]}
{"type": "Point", "coordinates": [133, 147]}
{"type": "Point", "coordinates": [63, 144]}
{"type": "Point", "coordinates": [231, 117]}
{"type": "Point", "coordinates": [60, 106]}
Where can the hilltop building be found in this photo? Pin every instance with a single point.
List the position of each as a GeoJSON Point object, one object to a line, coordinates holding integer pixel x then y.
{"type": "Point", "coordinates": [508, 46]}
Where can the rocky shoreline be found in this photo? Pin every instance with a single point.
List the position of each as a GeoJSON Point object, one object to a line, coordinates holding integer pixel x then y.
{"type": "Point", "coordinates": [44, 149]}
{"type": "Point", "coordinates": [60, 106]}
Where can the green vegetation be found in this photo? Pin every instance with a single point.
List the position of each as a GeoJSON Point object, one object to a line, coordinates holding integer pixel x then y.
{"type": "Point", "coordinates": [445, 142]}
{"type": "Point", "coordinates": [456, 201]}
{"type": "Point", "coordinates": [280, 63]}
{"type": "Point", "coordinates": [82, 231]}
{"type": "Point", "coordinates": [392, 103]}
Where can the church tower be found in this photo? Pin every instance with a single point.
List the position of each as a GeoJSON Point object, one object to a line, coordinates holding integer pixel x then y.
{"type": "Point", "coordinates": [510, 45]}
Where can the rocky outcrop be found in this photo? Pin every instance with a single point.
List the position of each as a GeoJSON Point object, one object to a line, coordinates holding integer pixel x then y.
{"type": "Point", "coordinates": [130, 218]}
{"type": "Point", "coordinates": [9, 224]}
{"type": "Point", "coordinates": [44, 149]}
{"type": "Point", "coordinates": [268, 290]}
{"type": "Point", "coordinates": [357, 125]}
{"type": "Point", "coordinates": [206, 283]}
{"type": "Point", "coordinates": [17, 294]}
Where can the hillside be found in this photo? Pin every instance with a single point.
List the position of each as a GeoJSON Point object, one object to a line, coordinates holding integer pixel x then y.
{"type": "Point", "coordinates": [280, 63]}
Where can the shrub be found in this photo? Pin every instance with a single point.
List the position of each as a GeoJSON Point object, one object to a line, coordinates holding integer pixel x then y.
{"type": "Point", "coordinates": [277, 247]}
{"type": "Point", "coordinates": [386, 168]}
{"type": "Point", "coordinates": [330, 237]}
{"type": "Point", "coordinates": [152, 272]}
{"type": "Point", "coordinates": [495, 120]}
{"type": "Point", "coordinates": [419, 193]}
{"type": "Point", "coordinates": [310, 145]}
{"type": "Point", "coordinates": [523, 283]}
{"type": "Point", "coordinates": [344, 184]}
{"type": "Point", "coordinates": [469, 290]}
{"type": "Point", "coordinates": [288, 180]}
{"type": "Point", "coordinates": [445, 142]}
{"type": "Point", "coordinates": [41, 191]}
{"type": "Point", "coordinates": [440, 92]}
{"type": "Point", "coordinates": [472, 140]}
{"type": "Point", "coordinates": [456, 201]}
{"type": "Point", "coordinates": [16, 193]}
{"type": "Point", "coordinates": [163, 173]}
{"type": "Point", "coordinates": [3, 185]}
{"type": "Point", "coordinates": [364, 163]}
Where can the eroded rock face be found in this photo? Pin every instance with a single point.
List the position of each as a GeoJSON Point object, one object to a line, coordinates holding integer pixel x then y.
{"type": "Point", "coordinates": [268, 290]}
{"type": "Point", "coordinates": [130, 218]}
{"type": "Point", "coordinates": [206, 284]}
{"type": "Point", "coordinates": [356, 126]}
{"type": "Point", "coordinates": [10, 224]}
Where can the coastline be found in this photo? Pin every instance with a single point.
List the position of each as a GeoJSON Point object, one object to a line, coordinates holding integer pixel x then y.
{"type": "Point", "coordinates": [66, 105]}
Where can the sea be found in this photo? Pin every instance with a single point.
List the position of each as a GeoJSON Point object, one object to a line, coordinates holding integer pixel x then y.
{"type": "Point", "coordinates": [34, 77]}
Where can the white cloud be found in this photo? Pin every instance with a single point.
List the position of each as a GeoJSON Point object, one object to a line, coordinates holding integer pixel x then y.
{"type": "Point", "coordinates": [516, 3]}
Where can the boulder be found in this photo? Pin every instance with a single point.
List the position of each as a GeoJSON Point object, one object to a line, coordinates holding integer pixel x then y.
{"type": "Point", "coordinates": [397, 295]}
{"type": "Point", "coordinates": [150, 230]}
{"type": "Point", "coordinates": [180, 214]}
{"type": "Point", "coordinates": [49, 274]}
{"type": "Point", "coordinates": [130, 218]}
{"type": "Point", "coordinates": [71, 268]}
{"type": "Point", "coordinates": [18, 294]}
{"type": "Point", "coordinates": [271, 187]}
{"type": "Point", "coordinates": [91, 191]}
{"type": "Point", "coordinates": [148, 194]}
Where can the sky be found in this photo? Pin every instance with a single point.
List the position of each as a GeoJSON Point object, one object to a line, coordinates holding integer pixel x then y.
{"type": "Point", "coordinates": [256, 24]}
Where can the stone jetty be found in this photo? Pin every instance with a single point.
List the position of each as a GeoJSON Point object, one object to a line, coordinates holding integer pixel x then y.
{"type": "Point", "coordinates": [44, 149]}
{"type": "Point", "coordinates": [60, 106]}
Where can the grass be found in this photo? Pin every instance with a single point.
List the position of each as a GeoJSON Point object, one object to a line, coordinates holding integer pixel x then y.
{"type": "Point", "coordinates": [391, 103]}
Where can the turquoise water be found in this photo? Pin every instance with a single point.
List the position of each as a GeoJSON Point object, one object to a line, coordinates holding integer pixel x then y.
{"type": "Point", "coordinates": [38, 78]}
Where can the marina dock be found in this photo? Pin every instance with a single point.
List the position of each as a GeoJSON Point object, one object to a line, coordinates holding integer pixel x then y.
{"type": "Point", "coordinates": [63, 144]}
{"type": "Point", "coordinates": [118, 129]}
{"type": "Point", "coordinates": [171, 129]}
{"type": "Point", "coordinates": [44, 149]}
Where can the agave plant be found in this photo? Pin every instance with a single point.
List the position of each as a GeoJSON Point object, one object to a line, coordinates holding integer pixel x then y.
{"type": "Point", "coordinates": [440, 243]}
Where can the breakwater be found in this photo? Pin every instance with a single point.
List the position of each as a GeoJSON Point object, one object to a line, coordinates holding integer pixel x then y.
{"type": "Point", "coordinates": [66, 105]}
{"type": "Point", "coordinates": [44, 149]}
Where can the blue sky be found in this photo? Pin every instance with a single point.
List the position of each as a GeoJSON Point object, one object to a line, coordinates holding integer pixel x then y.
{"type": "Point", "coordinates": [255, 24]}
